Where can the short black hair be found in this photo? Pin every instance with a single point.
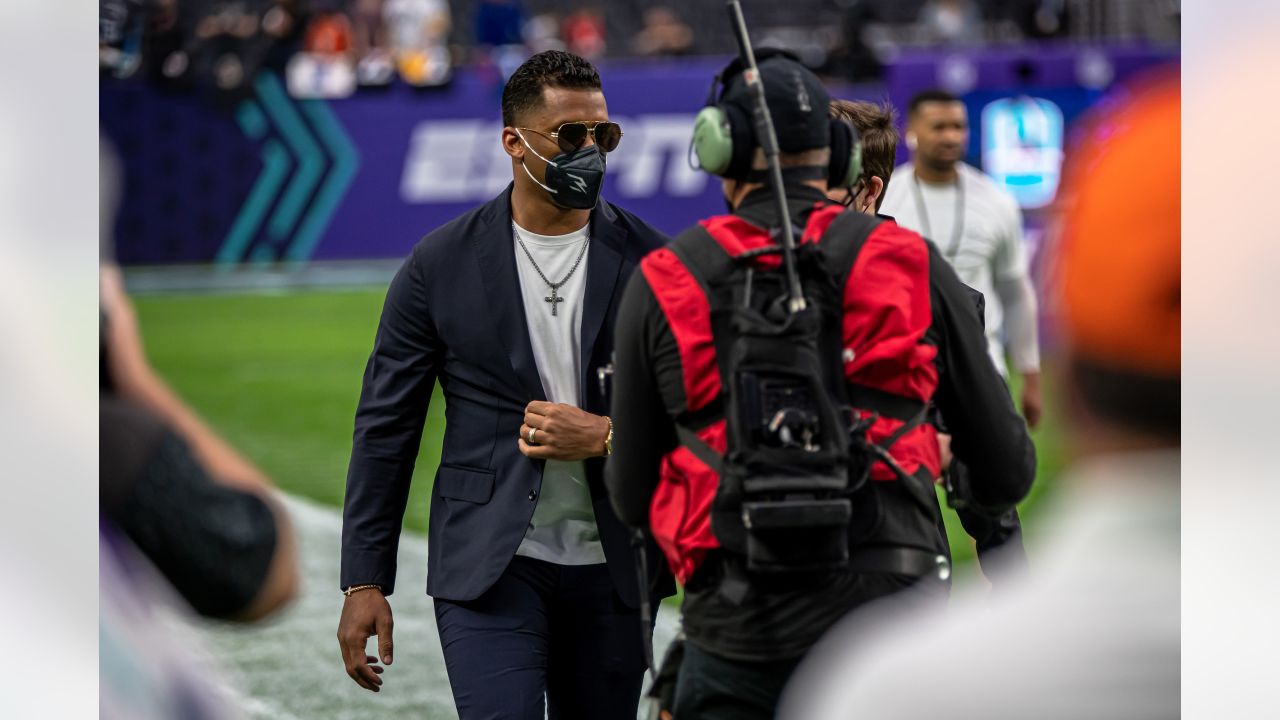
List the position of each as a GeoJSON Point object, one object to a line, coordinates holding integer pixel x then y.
{"type": "Point", "coordinates": [925, 96]}
{"type": "Point", "coordinates": [553, 68]}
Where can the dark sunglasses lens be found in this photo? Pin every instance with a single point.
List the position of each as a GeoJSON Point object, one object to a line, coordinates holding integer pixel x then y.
{"type": "Point", "coordinates": [608, 135]}
{"type": "Point", "coordinates": [572, 136]}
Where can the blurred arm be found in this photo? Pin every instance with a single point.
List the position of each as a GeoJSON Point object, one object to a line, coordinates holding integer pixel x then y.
{"type": "Point", "coordinates": [138, 383]}
{"type": "Point", "coordinates": [396, 392]}
{"type": "Point", "coordinates": [1017, 295]}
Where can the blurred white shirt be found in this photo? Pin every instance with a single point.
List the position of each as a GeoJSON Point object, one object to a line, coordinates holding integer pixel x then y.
{"type": "Point", "coordinates": [1094, 632]}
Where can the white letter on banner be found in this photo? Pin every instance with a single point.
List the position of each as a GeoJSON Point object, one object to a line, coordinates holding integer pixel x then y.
{"type": "Point", "coordinates": [662, 138]}
{"type": "Point", "coordinates": [438, 166]}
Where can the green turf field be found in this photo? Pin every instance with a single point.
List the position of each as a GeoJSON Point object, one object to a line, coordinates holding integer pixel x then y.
{"type": "Point", "coordinates": [279, 376]}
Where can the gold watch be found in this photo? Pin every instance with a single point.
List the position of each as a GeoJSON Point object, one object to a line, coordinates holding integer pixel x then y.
{"type": "Point", "coordinates": [608, 439]}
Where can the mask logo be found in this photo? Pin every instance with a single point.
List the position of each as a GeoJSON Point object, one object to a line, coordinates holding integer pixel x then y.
{"type": "Point", "coordinates": [577, 182]}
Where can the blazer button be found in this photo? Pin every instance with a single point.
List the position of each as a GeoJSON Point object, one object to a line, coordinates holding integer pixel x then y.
{"type": "Point", "coordinates": [533, 494]}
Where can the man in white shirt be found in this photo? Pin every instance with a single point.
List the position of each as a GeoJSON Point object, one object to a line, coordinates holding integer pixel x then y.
{"type": "Point", "coordinates": [978, 228]}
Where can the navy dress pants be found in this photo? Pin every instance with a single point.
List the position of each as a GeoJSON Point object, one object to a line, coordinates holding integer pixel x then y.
{"type": "Point", "coordinates": [558, 632]}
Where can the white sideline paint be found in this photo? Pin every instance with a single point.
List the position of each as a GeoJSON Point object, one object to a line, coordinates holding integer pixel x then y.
{"type": "Point", "coordinates": [291, 667]}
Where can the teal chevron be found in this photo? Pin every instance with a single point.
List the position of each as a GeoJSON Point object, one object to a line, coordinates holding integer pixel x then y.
{"type": "Point", "coordinates": [304, 147]}
{"type": "Point", "coordinates": [252, 122]}
{"type": "Point", "coordinates": [275, 166]}
{"type": "Point", "coordinates": [346, 160]}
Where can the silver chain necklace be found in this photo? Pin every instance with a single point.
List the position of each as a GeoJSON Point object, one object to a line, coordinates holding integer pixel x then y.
{"type": "Point", "coordinates": [554, 299]}
{"type": "Point", "coordinates": [957, 225]}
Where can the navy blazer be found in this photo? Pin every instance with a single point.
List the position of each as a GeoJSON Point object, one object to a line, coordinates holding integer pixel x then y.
{"type": "Point", "coordinates": [454, 312]}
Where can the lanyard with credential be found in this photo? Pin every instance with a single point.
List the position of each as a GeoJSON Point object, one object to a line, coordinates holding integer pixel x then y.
{"type": "Point", "coordinates": [957, 227]}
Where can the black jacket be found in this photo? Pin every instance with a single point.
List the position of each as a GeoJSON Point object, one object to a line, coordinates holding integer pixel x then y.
{"type": "Point", "coordinates": [454, 313]}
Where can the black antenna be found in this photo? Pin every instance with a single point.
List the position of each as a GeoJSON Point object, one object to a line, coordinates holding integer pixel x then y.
{"type": "Point", "coordinates": [769, 143]}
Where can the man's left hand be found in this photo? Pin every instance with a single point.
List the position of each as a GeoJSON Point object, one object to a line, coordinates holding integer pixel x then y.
{"type": "Point", "coordinates": [562, 432]}
{"type": "Point", "coordinates": [1031, 401]}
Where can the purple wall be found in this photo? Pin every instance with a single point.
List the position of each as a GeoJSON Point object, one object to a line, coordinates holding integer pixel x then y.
{"type": "Point", "coordinates": [278, 179]}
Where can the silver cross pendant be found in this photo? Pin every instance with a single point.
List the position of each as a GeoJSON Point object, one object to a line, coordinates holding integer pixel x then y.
{"type": "Point", "coordinates": [554, 300]}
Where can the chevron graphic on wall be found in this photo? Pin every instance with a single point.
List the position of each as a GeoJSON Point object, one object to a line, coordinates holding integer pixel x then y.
{"type": "Point", "coordinates": [308, 162]}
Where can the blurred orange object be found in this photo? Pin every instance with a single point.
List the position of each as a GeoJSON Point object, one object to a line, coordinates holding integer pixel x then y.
{"type": "Point", "coordinates": [1119, 258]}
{"type": "Point", "coordinates": [328, 34]}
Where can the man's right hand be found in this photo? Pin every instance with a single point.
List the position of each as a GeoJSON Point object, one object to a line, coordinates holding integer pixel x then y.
{"type": "Point", "coordinates": [365, 613]}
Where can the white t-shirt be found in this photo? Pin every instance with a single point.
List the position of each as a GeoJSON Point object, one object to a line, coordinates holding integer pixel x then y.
{"type": "Point", "coordinates": [988, 253]}
{"type": "Point", "coordinates": [563, 529]}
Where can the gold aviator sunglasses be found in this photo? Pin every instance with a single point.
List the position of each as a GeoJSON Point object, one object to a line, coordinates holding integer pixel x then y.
{"type": "Point", "coordinates": [573, 135]}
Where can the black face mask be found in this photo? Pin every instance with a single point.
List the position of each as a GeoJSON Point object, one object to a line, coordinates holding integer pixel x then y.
{"type": "Point", "coordinates": [573, 179]}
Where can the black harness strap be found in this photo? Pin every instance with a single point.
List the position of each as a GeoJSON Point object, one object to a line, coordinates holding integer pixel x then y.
{"type": "Point", "coordinates": [699, 448]}
{"type": "Point", "coordinates": [854, 225]}
{"type": "Point", "coordinates": [892, 405]}
{"type": "Point", "coordinates": [702, 256]}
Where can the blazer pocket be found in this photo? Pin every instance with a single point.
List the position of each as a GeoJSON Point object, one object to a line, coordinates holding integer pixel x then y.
{"type": "Point", "coordinates": [459, 483]}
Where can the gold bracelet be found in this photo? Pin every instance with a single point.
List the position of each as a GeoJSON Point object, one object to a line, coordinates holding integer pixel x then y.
{"type": "Point", "coordinates": [608, 439]}
{"type": "Point", "coordinates": [357, 588]}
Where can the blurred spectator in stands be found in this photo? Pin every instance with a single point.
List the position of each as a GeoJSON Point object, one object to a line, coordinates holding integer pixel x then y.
{"type": "Point", "coordinates": [329, 33]}
{"type": "Point", "coordinates": [283, 25]}
{"type": "Point", "coordinates": [375, 65]}
{"type": "Point", "coordinates": [120, 36]}
{"type": "Point", "coordinates": [165, 37]}
{"type": "Point", "coordinates": [419, 31]}
{"type": "Point", "coordinates": [583, 32]}
{"type": "Point", "coordinates": [324, 68]}
{"type": "Point", "coordinates": [221, 34]}
{"type": "Point", "coordinates": [1044, 18]}
{"type": "Point", "coordinates": [542, 33]}
{"type": "Point", "coordinates": [664, 33]}
{"type": "Point", "coordinates": [855, 59]}
{"type": "Point", "coordinates": [952, 22]}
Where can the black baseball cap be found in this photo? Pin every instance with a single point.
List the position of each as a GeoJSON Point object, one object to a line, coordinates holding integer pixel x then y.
{"type": "Point", "coordinates": [796, 99]}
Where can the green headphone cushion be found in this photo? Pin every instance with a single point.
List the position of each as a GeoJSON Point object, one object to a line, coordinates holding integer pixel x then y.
{"type": "Point", "coordinates": [712, 141]}
{"type": "Point", "coordinates": [855, 166]}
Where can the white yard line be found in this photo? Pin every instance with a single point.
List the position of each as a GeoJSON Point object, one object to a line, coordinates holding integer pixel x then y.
{"type": "Point", "coordinates": [291, 668]}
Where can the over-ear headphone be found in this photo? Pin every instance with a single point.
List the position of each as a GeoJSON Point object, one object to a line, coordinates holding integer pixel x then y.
{"type": "Point", "coordinates": [722, 134]}
{"type": "Point", "coordinates": [846, 156]}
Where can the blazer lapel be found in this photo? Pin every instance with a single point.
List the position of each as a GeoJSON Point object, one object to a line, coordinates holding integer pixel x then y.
{"type": "Point", "coordinates": [604, 263]}
{"type": "Point", "coordinates": [496, 252]}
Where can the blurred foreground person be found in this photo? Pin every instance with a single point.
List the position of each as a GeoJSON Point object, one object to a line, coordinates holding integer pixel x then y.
{"type": "Point", "coordinates": [998, 538]}
{"type": "Point", "coordinates": [203, 515]}
{"type": "Point", "coordinates": [185, 523]}
{"type": "Point", "coordinates": [1095, 632]}
{"type": "Point", "coordinates": [511, 308]}
{"type": "Point", "coordinates": [779, 454]}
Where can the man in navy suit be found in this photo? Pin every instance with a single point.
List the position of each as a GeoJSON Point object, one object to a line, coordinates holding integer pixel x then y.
{"type": "Point", "coordinates": [511, 306]}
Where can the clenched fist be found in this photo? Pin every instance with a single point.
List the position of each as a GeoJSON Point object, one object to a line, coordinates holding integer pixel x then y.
{"type": "Point", "coordinates": [561, 432]}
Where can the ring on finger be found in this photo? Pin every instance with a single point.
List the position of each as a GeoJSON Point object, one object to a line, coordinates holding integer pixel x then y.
{"type": "Point", "coordinates": [532, 432]}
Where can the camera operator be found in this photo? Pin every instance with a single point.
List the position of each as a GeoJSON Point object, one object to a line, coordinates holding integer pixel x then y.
{"type": "Point", "coordinates": [909, 334]}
